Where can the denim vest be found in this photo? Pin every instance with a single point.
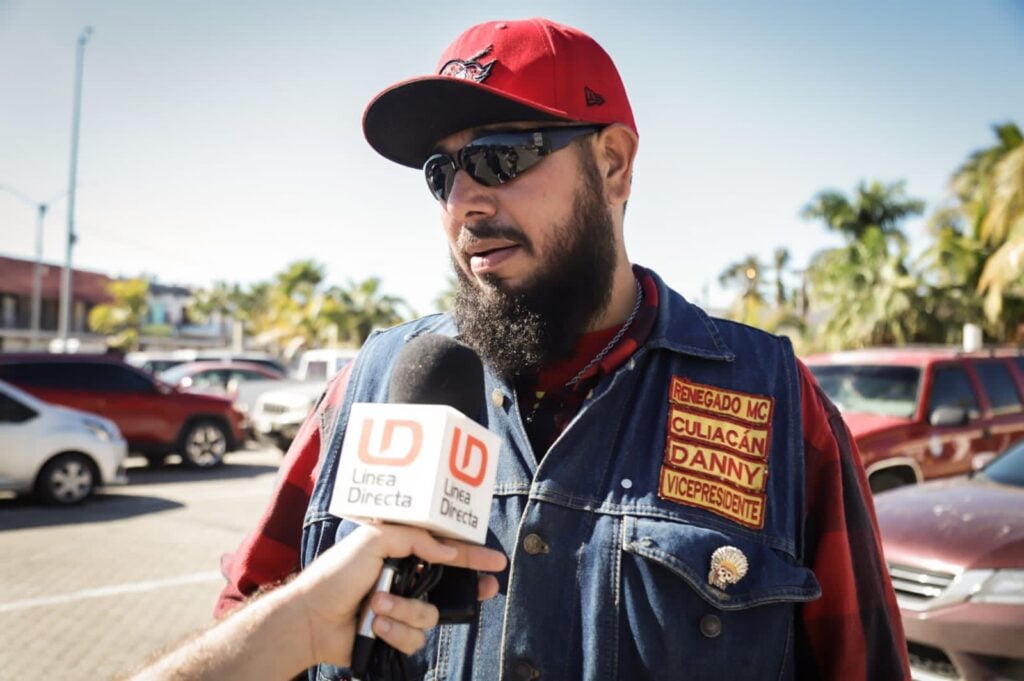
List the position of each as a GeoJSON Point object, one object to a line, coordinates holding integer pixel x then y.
{"type": "Point", "coordinates": [609, 573]}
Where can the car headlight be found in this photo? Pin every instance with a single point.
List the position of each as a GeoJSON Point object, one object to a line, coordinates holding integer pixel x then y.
{"type": "Point", "coordinates": [1003, 586]}
{"type": "Point", "coordinates": [101, 430]}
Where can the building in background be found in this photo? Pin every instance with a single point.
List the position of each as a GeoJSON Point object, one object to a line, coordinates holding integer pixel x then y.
{"type": "Point", "coordinates": [88, 289]}
{"type": "Point", "coordinates": [167, 310]}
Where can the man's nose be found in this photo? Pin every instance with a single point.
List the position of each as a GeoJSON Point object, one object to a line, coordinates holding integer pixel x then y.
{"type": "Point", "coordinates": [469, 200]}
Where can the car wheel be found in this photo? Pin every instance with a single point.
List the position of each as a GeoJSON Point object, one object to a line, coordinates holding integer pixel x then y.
{"type": "Point", "coordinates": [204, 444]}
{"type": "Point", "coordinates": [65, 480]}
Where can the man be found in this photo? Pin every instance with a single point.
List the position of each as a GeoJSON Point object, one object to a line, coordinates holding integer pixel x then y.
{"type": "Point", "coordinates": [313, 618]}
{"type": "Point", "coordinates": [676, 496]}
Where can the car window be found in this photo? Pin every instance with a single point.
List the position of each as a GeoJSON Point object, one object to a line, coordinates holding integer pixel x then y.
{"type": "Point", "coordinates": [111, 377]}
{"type": "Point", "coordinates": [999, 385]}
{"type": "Point", "coordinates": [243, 375]}
{"type": "Point", "coordinates": [174, 374]}
{"type": "Point", "coordinates": [316, 369]}
{"type": "Point", "coordinates": [1008, 469]}
{"type": "Point", "coordinates": [213, 378]}
{"type": "Point", "coordinates": [952, 388]}
{"type": "Point", "coordinates": [38, 374]}
{"type": "Point", "coordinates": [13, 411]}
{"type": "Point", "coordinates": [870, 389]}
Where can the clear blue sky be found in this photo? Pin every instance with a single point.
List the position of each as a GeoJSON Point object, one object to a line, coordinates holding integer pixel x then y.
{"type": "Point", "coordinates": [222, 140]}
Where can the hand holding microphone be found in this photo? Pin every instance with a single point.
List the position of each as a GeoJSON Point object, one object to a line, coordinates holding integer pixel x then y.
{"type": "Point", "coordinates": [421, 460]}
{"type": "Point", "coordinates": [332, 603]}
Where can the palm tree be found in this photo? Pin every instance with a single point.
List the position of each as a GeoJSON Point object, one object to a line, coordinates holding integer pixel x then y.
{"type": "Point", "coordinates": [781, 259]}
{"type": "Point", "coordinates": [999, 204]}
{"type": "Point", "coordinates": [745, 275]}
{"type": "Point", "coordinates": [977, 260]}
{"type": "Point", "coordinates": [368, 308]}
{"type": "Point", "coordinates": [866, 285]}
{"type": "Point", "coordinates": [217, 300]}
{"type": "Point", "coordinates": [878, 205]}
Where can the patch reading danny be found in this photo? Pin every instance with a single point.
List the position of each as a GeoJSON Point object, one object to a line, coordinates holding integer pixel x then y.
{"type": "Point", "coordinates": [716, 451]}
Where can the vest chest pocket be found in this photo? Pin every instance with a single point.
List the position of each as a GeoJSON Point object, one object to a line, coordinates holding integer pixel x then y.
{"type": "Point", "coordinates": [674, 623]}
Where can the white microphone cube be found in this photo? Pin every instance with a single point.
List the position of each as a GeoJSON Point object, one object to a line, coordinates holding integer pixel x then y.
{"type": "Point", "coordinates": [425, 465]}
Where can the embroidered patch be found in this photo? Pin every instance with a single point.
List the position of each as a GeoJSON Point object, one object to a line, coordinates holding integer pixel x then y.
{"type": "Point", "coordinates": [716, 451]}
{"type": "Point", "coordinates": [470, 69]}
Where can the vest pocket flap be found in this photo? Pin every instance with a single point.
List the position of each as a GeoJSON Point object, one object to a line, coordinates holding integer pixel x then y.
{"type": "Point", "coordinates": [686, 550]}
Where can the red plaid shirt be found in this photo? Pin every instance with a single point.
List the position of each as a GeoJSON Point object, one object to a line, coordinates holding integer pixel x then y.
{"type": "Point", "coordinates": [853, 632]}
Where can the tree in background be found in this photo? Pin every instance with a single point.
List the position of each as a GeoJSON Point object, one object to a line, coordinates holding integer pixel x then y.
{"type": "Point", "coordinates": [866, 286]}
{"type": "Point", "coordinates": [975, 263]}
{"type": "Point", "coordinates": [293, 311]}
{"type": "Point", "coordinates": [365, 308]}
{"type": "Point", "coordinates": [121, 319]}
{"type": "Point", "coordinates": [215, 301]}
{"type": "Point", "coordinates": [990, 187]}
{"type": "Point", "coordinates": [745, 275]}
{"type": "Point", "coordinates": [781, 260]}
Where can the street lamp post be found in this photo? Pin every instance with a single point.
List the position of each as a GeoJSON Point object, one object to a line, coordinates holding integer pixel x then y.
{"type": "Point", "coordinates": [65, 288]}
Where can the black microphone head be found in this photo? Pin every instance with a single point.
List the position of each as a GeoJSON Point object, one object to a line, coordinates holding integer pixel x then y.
{"type": "Point", "coordinates": [435, 369]}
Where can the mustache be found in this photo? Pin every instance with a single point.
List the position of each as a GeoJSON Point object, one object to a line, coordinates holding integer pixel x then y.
{"type": "Point", "coordinates": [470, 235]}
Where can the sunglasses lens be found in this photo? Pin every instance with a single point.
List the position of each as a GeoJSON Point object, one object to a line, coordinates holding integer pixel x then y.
{"type": "Point", "coordinates": [494, 164]}
{"type": "Point", "coordinates": [440, 174]}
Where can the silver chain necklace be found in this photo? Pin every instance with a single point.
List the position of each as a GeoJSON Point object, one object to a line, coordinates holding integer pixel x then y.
{"type": "Point", "coordinates": [615, 339]}
{"type": "Point", "coordinates": [571, 383]}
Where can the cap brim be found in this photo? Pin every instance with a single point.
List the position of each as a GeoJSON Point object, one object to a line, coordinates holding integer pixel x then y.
{"type": "Point", "coordinates": [404, 122]}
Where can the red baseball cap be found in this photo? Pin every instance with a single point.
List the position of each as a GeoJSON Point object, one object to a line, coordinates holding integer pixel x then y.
{"type": "Point", "coordinates": [499, 72]}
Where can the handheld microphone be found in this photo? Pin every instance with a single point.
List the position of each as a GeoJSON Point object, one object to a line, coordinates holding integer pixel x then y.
{"type": "Point", "coordinates": [420, 460]}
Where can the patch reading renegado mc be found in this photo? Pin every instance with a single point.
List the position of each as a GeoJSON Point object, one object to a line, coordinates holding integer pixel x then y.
{"type": "Point", "coordinates": [716, 451]}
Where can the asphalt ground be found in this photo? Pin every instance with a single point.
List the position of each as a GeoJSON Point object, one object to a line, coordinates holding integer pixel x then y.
{"type": "Point", "coordinates": [92, 592]}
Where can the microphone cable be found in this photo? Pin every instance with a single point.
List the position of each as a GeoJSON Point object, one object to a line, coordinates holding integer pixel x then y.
{"type": "Point", "coordinates": [413, 579]}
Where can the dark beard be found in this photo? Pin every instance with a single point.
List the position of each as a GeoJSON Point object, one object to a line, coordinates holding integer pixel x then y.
{"type": "Point", "coordinates": [521, 330]}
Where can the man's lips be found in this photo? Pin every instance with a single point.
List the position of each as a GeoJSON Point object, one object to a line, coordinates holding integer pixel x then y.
{"type": "Point", "coordinates": [482, 261]}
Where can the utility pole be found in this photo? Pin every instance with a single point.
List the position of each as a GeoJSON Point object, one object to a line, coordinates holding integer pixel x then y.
{"type": "Point", "coordinates": [66, 297]}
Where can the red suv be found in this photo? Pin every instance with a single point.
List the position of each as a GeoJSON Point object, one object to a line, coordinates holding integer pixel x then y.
{"type": "Point", "coordinates": [156, 419]}
{"type": "Point", "coordinates": [921, 413]}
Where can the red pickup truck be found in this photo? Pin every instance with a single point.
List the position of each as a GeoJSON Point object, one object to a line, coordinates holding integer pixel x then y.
{"type": "Point", "coordinates": [921, 413]}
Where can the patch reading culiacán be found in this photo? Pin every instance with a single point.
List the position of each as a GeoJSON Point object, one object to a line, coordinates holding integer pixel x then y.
{"type": "Point", "coordinates": [716, 451]}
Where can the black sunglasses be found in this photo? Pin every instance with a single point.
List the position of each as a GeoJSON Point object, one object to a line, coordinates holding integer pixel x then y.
{"type": "Point", "coordinates": [499, 158]}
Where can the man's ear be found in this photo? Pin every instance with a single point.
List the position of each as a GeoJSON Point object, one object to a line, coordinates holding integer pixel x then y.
{"type": "Point", "coordinates": [614, 151]}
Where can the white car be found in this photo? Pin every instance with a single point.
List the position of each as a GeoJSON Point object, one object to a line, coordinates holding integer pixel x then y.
{"type": "Point", "coordinates": [58, 453]}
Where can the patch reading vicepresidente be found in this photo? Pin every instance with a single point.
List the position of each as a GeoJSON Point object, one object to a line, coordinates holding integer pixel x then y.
{"type": "Point", "coordinates": [716, 451]}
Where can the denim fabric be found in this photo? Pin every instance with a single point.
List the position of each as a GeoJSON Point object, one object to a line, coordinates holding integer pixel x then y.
{"type": "Point", "coordinates": [607, 580]}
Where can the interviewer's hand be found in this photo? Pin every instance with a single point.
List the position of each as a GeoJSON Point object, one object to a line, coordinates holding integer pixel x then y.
{"type": "Point", "coordinates": [332, 588]}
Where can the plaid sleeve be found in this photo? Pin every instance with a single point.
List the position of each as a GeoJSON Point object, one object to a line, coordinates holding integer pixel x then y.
{"type": "Point", "coordinates": [853, 632]}
{"type": "Point", "coordinates": [270, 553]}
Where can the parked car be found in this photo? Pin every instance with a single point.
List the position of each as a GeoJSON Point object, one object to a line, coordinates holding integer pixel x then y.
{"type": "Point", "coordinates": [62, 455]}
{"type": "Point", "coordinates": [156, 419]}
{"type": "Point", "coordinates": [220, 378]}
{"type": "Point", "coordinates": [955, 550]}
{"type": "Point", "coordinates": [918, 414]}
{"type": "Point", "coordinates": [277, 414]}
{"type": "Point", "coordinates": [156, 361]}
{"type": "Point", "coordinates": [242, 382]}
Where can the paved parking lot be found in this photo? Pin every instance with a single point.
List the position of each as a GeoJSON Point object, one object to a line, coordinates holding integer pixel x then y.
{"type": "Point", "coordinates": [90, 592]}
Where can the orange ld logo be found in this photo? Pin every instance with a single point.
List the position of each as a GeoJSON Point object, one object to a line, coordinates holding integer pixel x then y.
{"type": "Point", "coordinates": [467, 460]}
{"type": "Point", "coordinates": [399, 443]}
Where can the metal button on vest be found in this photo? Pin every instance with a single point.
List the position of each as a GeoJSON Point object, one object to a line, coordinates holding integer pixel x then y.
{"type": "Point", "coordinates": [524, 671]}
{"type": "Point", "coordinates": [497, 398]}
{"type": "Point", "coordinates": [534, 545]}
{"type": "Point", "coordinates": [710, 626]}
